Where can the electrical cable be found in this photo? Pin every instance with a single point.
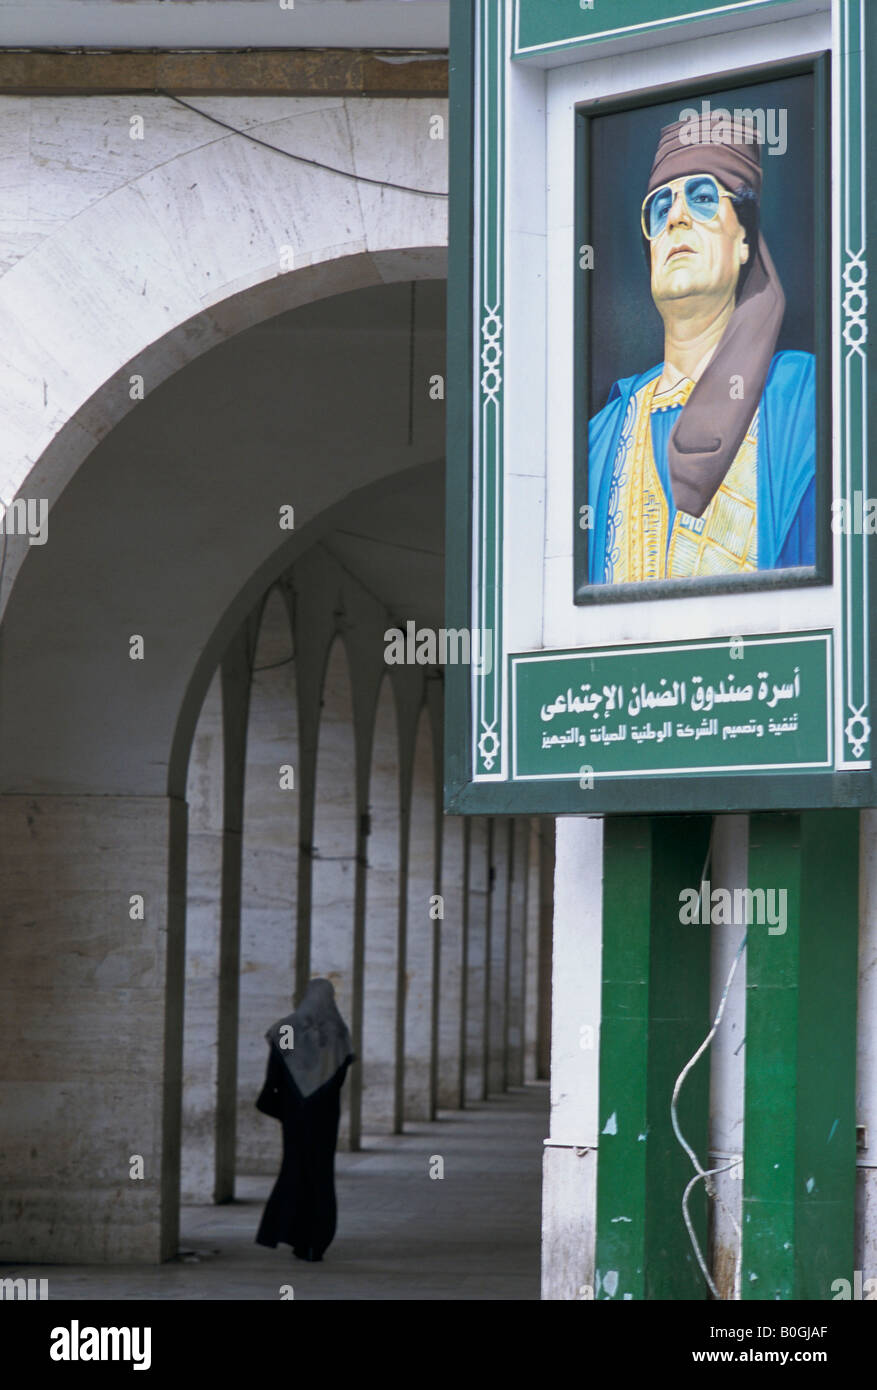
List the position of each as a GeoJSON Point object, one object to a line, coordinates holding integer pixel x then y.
{"type": "Point", "coordinates": [300, 158]}
{"type": "Point", "coordinates": [706, 1174]}
{"type": "Point", "coordinates": [272, 665]}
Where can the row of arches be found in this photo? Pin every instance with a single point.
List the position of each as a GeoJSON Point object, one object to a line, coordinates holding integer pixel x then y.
{"type": "Point", "coordinates": [317, 845]}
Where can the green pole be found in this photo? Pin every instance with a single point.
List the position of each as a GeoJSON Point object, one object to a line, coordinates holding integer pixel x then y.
{"type": "Point", "coordinates": [800, 1122]}
{"type": "Point", "coordinates": [655, 1014]}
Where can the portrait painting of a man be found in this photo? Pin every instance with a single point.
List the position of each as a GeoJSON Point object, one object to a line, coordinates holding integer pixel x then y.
{"type": "Point", "coordinates": [704, 464]}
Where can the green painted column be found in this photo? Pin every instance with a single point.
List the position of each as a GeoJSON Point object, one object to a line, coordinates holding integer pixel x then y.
{"type": "Point", "coordinates": [655, 1014]}
{"type": "Point", "coordinates": [800, 1124]}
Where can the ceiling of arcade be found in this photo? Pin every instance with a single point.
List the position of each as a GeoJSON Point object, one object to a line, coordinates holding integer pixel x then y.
{"type": "Point", "coordinates": [172, 523]}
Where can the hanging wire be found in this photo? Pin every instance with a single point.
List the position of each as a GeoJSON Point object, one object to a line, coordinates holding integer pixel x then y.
{"type": "Point", "coordinates": [300, 158]}
{"type": "Point", "coordinates": [702, 1174]}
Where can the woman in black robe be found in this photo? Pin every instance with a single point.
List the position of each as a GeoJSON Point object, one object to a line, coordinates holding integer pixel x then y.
{"type": "Point", "coordinates": [310, 1053]}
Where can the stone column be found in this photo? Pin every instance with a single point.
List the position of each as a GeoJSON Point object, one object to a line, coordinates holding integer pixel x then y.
{"type": "Point", "coordinates": [517, 918]}
{"type": "Point", "coordinates": [91, 1049]}
{"type": "Point", "coordinates": [419, 1101]}
{"type": "Point", "coordinates": [334, 848]}
{"type": "Point", "coordinates": [546, 943]}
{"type": "Point", "coordinates": [531, 954]}
{"type": "Point", "coordinates": [477, 892]}
{"type": "Point", "coordinates": [270, 854]}
{"type": "Point", "coordinates": [204, 797]}
{"type": "Point", "coordinates": [450, 1076]}
{"type": "Point", "coordinates": [498, 956]}
{"type": "Point", "coordinates": [380, 1023]}
{"type": "Point", "coordinates": [235, 675]}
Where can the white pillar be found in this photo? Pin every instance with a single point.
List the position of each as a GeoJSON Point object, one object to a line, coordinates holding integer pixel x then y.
{"type": "Point", "coordinates": [499, 954]}
{"type": "Point", "coordinates": [419, 1102]}
{"type": "Point", "coordinates": [450, 1072]}
{"type": "Point", "coordinates": [204, 796]}
{"type": "Point", "coordinates": [569, 1192]}
{"type": "Point", "coordinates": [531, 957]}
{"type": "Point", "coordinates": [380, 1024]}
{"type": "Point", "coordinates": [518, 884]}
{"type": "Point", "coordinates": [270, 857]}
{"type": "Point", "coordinates": [547, 836]}
{"type": "Point", "coordinates": [477, 890]}
{"type": "Point", "coordinates": [334, 848]}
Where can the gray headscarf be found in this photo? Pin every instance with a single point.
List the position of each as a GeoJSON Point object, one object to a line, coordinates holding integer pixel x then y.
{"type": "Point", "coordinates": [320, 1041]}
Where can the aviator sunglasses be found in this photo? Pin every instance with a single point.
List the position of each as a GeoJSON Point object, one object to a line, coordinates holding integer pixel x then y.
{"type": "Point", "coordinates": [702, 193]}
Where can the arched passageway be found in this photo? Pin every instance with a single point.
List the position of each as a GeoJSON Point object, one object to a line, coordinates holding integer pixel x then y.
{"type": "Point", "coordinates": [245, 479]}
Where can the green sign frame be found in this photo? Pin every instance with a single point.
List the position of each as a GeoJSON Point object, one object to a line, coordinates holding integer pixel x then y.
{"type": "Point", "coordinates": [761, 703]}
{"type": "Point", "coordinates": [542, 26]}
{"type": "Point", "coordinates": [479, 757]}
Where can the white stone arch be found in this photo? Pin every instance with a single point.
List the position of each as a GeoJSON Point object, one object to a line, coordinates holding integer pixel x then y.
{"type": "Point", "coordinates": [184, 249]}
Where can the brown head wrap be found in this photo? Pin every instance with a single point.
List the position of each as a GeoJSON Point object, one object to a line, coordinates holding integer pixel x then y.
{"type": "Point", "coordinates": [712, 426]}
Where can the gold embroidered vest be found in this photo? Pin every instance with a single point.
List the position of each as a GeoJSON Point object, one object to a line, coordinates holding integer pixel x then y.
{"type": "Point", "coordinates": [639, 547]}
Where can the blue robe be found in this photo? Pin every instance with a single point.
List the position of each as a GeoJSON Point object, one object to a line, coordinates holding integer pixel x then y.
{"type": "Point", "coordinates": [786, 477]}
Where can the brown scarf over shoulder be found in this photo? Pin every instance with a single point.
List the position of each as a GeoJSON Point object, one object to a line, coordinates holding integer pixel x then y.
{"type": "Point", "coordinates": [712, 426]}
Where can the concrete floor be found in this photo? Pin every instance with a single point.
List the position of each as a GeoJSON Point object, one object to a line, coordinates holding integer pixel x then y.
{"type": "Point", "coordinates": [474, 1234]}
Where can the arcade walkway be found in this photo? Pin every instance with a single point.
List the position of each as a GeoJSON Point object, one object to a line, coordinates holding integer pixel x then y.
{"type": "Point", "coordinates": [474, 1234]}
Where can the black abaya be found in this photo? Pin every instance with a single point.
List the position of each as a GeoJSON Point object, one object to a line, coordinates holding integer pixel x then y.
{"type": "Point", "coordinates": [301, 1210]}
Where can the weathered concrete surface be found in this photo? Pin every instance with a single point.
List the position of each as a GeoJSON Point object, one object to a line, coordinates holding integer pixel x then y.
{"type": "Point", "coordinates": [569, 1205]}
{"type": "Point", "coordinates": [91, 1013]}
{"type": "Point", "coordinates": [289, 72]}
{"type": "Point", "coordinates": [570, 1187]}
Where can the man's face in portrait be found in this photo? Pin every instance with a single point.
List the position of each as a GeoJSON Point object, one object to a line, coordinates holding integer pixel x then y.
{"type": "Point", "coordinates": [692, 256]}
